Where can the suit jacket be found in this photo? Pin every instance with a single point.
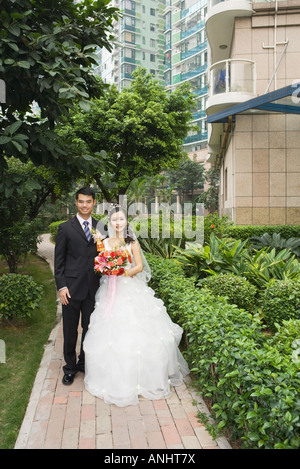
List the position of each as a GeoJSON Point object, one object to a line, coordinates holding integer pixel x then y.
{"type": "Point", "coordinates": [74, 260]}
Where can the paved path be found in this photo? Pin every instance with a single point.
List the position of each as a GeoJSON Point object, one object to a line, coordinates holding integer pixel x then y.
{"type": "Point", "coordinates": [68, 417]}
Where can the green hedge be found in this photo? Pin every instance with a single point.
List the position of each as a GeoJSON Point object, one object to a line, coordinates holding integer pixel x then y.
{"type": "Point", "coordinates": [244, 232]}
{"type": "Point", "coordinates": [253, 381]}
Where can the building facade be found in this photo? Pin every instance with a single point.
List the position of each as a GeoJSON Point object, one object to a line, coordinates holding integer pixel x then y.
{"type": "Point", "coordinates": [254, 121]}
{"type": "Point", "coordinates": [186, 61]}
{"type": "Point", "coordinates": [139, 41]}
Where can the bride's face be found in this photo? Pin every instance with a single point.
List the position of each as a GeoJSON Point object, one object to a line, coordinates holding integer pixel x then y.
{"type": "Point", "coordinates": [118, 222]}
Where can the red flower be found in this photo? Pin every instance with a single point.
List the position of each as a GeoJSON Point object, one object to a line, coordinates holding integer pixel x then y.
{"type": "Point", "coordinates": [213, 226]}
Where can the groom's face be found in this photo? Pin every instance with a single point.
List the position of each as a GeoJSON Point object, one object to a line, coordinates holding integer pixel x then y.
{"type": "Point", "coordinates": [85, 205]}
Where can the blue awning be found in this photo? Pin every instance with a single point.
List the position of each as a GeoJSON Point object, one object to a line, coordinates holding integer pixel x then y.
{"type": "Point", "coordinates": [285, 100]}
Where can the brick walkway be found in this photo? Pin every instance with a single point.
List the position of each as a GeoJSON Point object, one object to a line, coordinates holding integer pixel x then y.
{"type": "Point", "coordinates": [68, 417]}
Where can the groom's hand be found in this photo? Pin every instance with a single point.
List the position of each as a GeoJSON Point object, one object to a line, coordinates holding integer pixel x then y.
{"type": "Point", "coordinates": [64, 295]}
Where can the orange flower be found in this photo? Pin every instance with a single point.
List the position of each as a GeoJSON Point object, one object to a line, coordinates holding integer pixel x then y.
{"type": "Point", "coordinates": [115, 272]}
{"type": "Point", "coordinates": [119, 261]}
{"type": "Point", "coordinates": [111, 264]}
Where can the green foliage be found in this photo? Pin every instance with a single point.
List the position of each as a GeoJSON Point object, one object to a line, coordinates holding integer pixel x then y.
{"type": "Point", "coordinates": [237, 290]}
{"type": "Point", "coordinates": [53, 228]}
{"type": "Point", "coordinates": [19, 296]}
{"type": "Point", "coordinates": [280, 300]}
{"type": "Point", "coordinates": [24, 189]}
{"type": "Point", "coordinates": [210, 197]}
{"type": "Point", "coordinates": [253, 382]}
{"type": "Point", "coordinates": [265, 266]}
{"type": "Point", "coordinates": [187, 178]}
{"type": "Point", "coordinates": [244, 232]}
{"type": "Point", "coordinates": [160, 247]}
{"type": "Point", "coordinates": [220, 256]}
{"type": "Point", "coordinates": [277, 242]}
{"type": "Point", "coordinates": [47, 52]}
{"type": "Point", "coordinates": [231, 256]}
{"type": "Point", "coordinates": [216, 225]}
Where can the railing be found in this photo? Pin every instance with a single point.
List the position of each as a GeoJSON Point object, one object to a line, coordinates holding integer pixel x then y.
{"type": "Point", "coordinates": [233, 75]}
{"type": "Point", "coordinates": [212, 3]}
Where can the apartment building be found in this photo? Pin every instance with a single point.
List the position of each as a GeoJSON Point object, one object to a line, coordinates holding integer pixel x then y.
{"type": "Point", "coordinates": [139, 42]}
{"type": "Point", "coordinates": [186, 61]}
{"type": "Point", "coordinates": [253, 108]}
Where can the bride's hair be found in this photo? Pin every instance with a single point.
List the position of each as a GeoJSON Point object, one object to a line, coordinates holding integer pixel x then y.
{"type": "Point", "coordinates": [129, 236]}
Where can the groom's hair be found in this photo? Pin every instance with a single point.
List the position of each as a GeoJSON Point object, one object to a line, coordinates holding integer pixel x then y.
{"type": "Point", "coordinates": [86, 191]}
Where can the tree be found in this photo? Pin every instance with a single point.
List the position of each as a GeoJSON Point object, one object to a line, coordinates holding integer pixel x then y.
{"type": "Point", "coordinates": [24, 189]}
{"type": "Point", "coordinates": [47, 52]}
{"type": "Point", "coordinates": [210, 198]}
{"type": "Point", "coordinates": [187, 178]}
{"type": "Point", "coordinates": [141, 130]}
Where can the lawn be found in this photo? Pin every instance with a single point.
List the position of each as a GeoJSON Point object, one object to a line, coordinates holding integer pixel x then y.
{"type": "Point", "coordinates": [24, 342]}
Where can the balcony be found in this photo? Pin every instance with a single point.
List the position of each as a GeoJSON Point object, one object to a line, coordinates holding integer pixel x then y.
{"type": "Point", "coordinates": [220, 23]}
{"type": "Point", "coordinates": [232, 81]}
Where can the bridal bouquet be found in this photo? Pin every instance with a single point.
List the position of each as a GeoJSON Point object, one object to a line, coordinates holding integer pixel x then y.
{"type": "Point", "coordinates": [111, 262]}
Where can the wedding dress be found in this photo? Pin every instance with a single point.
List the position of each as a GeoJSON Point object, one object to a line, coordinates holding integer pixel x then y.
{"type": "Point", "coordinates": [131, 346]}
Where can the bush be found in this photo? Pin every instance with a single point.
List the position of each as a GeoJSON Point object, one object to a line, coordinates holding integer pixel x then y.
{"type": "Point", "coordinates": [238, 290]}
{"type": "Point", "coordinates": [244, 232]}
{"type": "Point", "coordinates": [19, 296]}
{"type": "Point", "coordinates": [280, 301]}
{"type": "Point", "coordinates": [252, 381]}
{"type": "Point", "coordinates": [53, 228]}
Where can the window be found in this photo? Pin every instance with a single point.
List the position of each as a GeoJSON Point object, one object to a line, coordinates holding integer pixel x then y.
{"type": "Point", "coordinates": [152, 42]}
{"type": "Point", "coordinates": [152, 11]}
{"type": "Point", "coordinates": [152, 57]}
{"type": "Point", "coordinates": [129, 37]}
{"type": "Point", "coordinates": [152, 27]}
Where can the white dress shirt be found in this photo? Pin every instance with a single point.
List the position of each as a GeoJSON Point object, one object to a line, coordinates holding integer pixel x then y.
{"type": "Point", "coordinates": [81, 221]}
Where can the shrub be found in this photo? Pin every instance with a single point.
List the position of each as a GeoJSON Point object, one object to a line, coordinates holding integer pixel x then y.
{"type": "Point", "coordinates": [238, 290]}
{"type": "Point", "coordinates": [280, 301]}
{"type": "Point", "coordinates": [252, 381]}
{"type": "Point", "coordinates": [53, 228]}
{"type": "Point", "coordinates": [243, 232]}
{"type": "Point", "coordinates": [19, 296]}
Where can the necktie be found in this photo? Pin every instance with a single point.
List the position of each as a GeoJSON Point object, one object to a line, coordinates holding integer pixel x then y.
{"type": "Point", "coordinates": [87, 230]}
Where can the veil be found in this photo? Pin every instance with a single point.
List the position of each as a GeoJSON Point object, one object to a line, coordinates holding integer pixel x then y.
{"type": "Point", "coordinates": [107, 231]}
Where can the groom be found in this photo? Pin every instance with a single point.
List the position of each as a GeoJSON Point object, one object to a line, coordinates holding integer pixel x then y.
{"type": "Point", "coordinates": [76, 281]}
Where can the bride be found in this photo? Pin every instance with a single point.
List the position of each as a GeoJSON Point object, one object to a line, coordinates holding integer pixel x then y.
{"type": "Point", "coordinates": [131, 346]}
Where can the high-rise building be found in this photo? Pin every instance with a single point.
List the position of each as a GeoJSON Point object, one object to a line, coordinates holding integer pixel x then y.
{"type": "Point", "coordinates": [186, 61]}
{"type": "Point", "coordinates": [139, 41]}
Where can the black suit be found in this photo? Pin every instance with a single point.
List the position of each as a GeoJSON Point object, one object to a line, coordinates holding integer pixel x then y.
{"type": "Point", "coordinates": [74, 268]}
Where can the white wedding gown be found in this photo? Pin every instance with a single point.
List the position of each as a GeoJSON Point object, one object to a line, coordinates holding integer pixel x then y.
{"type": "Point", "coordinates": [132, 349]}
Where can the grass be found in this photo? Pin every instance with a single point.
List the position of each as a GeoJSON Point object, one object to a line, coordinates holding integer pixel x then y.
{"type": "Point", "coordinates": [24, 342]}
